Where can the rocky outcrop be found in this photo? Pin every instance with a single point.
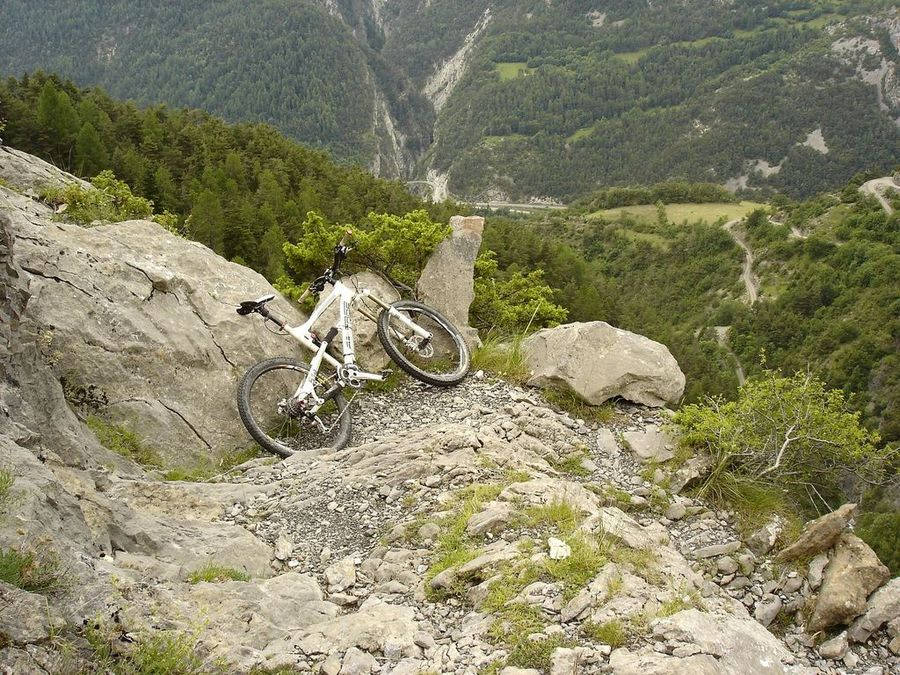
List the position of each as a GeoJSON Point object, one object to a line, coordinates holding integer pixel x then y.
{"type": "Point", "coordinates": [447, 282]}
{"type": "Point", "coordinates": [141, 327]}
{"type": "Point", "coordinates": [853, 573]}
{"type": "Point", "coordinates": [597, 362]}
{"type": "Point", "coordinates": [30, 173]}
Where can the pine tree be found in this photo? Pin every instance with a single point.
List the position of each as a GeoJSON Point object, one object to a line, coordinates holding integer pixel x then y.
{"type": "Point", "coordinates": [205, 221]}
{"type": "Point", "coordinates": [90, 154]}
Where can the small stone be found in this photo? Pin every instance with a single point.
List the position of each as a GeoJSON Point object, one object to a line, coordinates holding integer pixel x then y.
{"type": "Point", "coordinates": [727, 565]}
{"type": "Point", "coordinates": [340, 575]}
{"type": "Point", "coordinates": [792, 585]}
{"type": "Point", "coordinates": [835, 648]}
{"type": "Point", "coordinates": [559, 550]}
{"type": "Point", "coordinates": [817, 570]}
{"type": "Point", "coordinates": [564, 661]}
{"type": "Point", "coordinates": [717, 550]}
{"type": "Point", "coordinates": [429, 530]}
{"type": "Point", "coordinates": [676, 511]}
{"type": "Point", "coordinates": [767, 609]}
{"type": "Point", "coordinates": [283, 547]}
{"type": "Point", "coordinates": [357, 662]}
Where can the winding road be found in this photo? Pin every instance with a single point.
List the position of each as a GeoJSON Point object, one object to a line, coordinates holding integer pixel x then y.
{"type": "Point", "coordinates": [749, 280]}
{"type": "Point", "coordinates": [872, 188]}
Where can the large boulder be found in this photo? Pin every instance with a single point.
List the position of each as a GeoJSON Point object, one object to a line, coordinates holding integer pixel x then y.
{"type": "Point", "coordinates": [597, 362]}
{"type": "Point", "coordinates": [448, 281]}
{"type": "Point", "coordinates": [27, 172]}
{"type": "Point", "coordinates": [853, 573]}
{"type": "Point", "coordinates": [141, 326]}
{"type": "Point", "coordinates": [369, 353]}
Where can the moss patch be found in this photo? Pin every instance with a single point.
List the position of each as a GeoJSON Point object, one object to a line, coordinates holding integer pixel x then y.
{"type": "Point", "coordinates": [217, 574]}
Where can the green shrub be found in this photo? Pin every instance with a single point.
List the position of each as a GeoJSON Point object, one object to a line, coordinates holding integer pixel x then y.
{"type": "Point", "coordinates": [786, 433]}
{"type": "Point", "coordinates": [109, 200]}
{"type": "Point", "coordinates": [881, 531]}
{"type": "Point", "coordinates": [217, 574]}
{"type": "Point", "coordinates": [123, 442]}
{"type": "Point", "coordinates": [30, 571]}
{"type": "Point", "coordinates": [397, 246]}
{"type": "Point", "coordinates": [512, 302]}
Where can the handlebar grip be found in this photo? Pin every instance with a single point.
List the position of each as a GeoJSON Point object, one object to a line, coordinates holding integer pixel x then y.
{"type": "Point", "coordinates": [305, 295]}
{"type": "Point", "coordinates": [346, 238]}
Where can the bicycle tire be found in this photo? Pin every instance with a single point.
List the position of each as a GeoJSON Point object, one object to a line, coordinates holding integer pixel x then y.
{"type": "Point", "coordinates": [265, 441]}
{"type": "Point", "coordinates": [436, 379]}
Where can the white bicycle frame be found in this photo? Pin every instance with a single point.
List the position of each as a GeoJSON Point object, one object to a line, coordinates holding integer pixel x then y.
{"type": "Point", "coordinates": [348, 370]}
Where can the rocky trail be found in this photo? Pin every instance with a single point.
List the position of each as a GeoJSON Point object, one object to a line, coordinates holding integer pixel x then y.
{"type": "Point", "coordinates": [750, 282]}
{"type": "Point", "coordinates": [473, 530]}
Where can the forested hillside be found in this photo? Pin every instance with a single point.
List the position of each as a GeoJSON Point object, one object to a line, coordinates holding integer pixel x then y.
{"type": "Point", "coordinates": [283, 62]}
{"type": "Point", "coordinates": [511, 99]}
{"type": "Point", "coordinates": [829, 270]}
{"type": "Point", "coordinates": [243, 190]}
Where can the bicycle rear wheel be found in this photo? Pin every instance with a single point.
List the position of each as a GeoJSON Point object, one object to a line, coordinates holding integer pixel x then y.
{"type": "Point", "coordinates": [262, 396]}
{"type": "Point", "coordinates": [443, 360]}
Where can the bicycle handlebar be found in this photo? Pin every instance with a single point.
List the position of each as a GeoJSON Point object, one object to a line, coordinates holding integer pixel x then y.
{"type": "Point", "coordinates": [346, 238]}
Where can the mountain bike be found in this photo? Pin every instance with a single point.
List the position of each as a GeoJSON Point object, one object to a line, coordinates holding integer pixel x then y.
{"type": "Point", "coordinates": [289, 405]}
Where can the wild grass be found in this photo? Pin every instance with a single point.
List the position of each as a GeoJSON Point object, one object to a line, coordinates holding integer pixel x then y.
{"type": "Point", "coordinates": [754, 504]}
{"type": "Point", "coordinates": [124, 442]}
{"type": "Point", "coordinates": [679, 213]}
{"type": "Point", "coordinates": [572, 465]}
{"type": "Point", "coordinates": [6, 482]}
{"type": "Point", "coordinates": [207, 469]}
{"type": "Point", "coordinates": [215, 574]}
{"type": "Point", "coordinates": [610, 633]}
{"type": "Point", "coordinates": [512, 70]}
{"type": "Point", "coordinates": [159, 654]}
{"type": "Point", "coordinates": [33, 572]}
{"type": "Point", "coordinates": [505, 359]}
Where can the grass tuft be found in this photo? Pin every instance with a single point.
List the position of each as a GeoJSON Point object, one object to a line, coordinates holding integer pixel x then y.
{"type": "Point", "coordinates": [206, 470]}
{"type": "Point", "coordinates": [610, 633]}
{"type": "Point", "coordinates": [6, 483]}
{"type": "Point", "coordinates": [32, 572]}
{"type": "Point", "coordinates": [506, 360]}
{"type": "Point", "coordinates": [569, 402]}
{"type": "Point", "coordinates": [123, 442]}
{"type": "Point", "coordinates": [215, 574]}
{"type": "Point", "coordinates": [159, 654]}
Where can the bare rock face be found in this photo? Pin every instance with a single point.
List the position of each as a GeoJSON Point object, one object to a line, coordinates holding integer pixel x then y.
{"type": "Point", "coordinates": [141, 326]}
{"type": "Point", "coordinates": [820, 534]}
{"type": "Point", "coordinates": [711, 644]}
{"type": "Point", "coordinates": [369, 353]}
{"type": "Point", "coordinates": [597, 362]}
{"type": "Point", "coordinates": [27, 172]}
{"type": "Point", "coordinates": [447, 282]}
{"type": "Point", "coordinates": [853, 573]}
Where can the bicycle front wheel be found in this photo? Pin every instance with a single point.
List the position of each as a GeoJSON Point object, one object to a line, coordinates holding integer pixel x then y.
{"type": "Point", "coordinates": [263, 396]}
{"type": "Point", "coordinates": [442, 360]}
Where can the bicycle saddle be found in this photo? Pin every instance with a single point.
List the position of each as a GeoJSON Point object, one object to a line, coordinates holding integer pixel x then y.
{"type": "Point", "coordinates": [250, 306]}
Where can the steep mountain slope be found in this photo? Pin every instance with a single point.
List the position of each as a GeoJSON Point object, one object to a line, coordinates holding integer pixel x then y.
{"type": "Point", "coordinates": [511, 99]}
{"type": "Point", "coordinates": [289, 63]}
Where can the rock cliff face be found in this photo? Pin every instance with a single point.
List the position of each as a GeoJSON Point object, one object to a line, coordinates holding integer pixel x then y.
{"type": "Point", "coordinates": [142, 324]}
{"type": "Point", "coordinates": [468, 528]}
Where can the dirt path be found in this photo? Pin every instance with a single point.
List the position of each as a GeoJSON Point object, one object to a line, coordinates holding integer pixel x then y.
{"type": "Point", "coordinates": [747, 275]}
{"type": "Point", "coordinates": [872, 188]}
